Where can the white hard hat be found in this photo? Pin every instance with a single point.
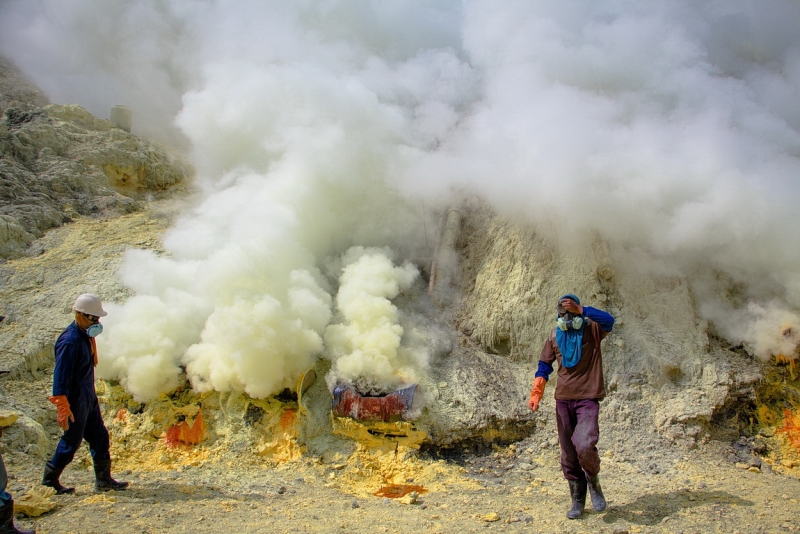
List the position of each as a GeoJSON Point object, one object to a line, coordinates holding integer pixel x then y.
{"type": "Point", "coordinates": [90, 305]}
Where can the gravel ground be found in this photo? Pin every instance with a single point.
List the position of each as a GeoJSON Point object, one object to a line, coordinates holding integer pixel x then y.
{"type": "Point", "coordinates": [517, 488]}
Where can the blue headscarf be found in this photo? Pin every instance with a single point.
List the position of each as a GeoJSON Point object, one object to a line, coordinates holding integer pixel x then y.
{"type": "Point", "coordinates": [569, 341]}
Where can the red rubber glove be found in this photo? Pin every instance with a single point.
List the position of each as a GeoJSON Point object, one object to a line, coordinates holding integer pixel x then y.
{"type": "Point", "coordinates": [65, 416]}
{"type": "Point", "coordinates": [536, 393]}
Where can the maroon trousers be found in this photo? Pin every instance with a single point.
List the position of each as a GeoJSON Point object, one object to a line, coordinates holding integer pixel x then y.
{"type": "Point", "coordinates": [578, 432]}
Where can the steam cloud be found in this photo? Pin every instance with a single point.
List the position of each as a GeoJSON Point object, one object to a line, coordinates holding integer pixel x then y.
{"type": "Point", "coordinates": [366, 348]}
{"type": "Point", "coordinates": [670, 128]}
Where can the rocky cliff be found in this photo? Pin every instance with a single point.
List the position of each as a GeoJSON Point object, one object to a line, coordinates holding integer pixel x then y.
{"type": "Point", "coordinates": [58, 163]}
{"type": "Point", "coordinates": [671, 379]}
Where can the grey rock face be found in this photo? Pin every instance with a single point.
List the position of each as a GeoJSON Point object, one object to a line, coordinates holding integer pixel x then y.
{"type": "Point", "coordinates": [59, 162]}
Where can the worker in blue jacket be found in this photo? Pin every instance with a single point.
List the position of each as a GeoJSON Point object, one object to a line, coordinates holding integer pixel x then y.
{"type": "Point", "coordinates": [74, 395]}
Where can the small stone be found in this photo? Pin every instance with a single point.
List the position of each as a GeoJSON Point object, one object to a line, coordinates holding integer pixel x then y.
{"type": "Point", "coordinates": [442, 385]}
{"type": "Point", "coordinates": [754, 469]}
{"type": "Point", "coordinates": [741, 465]}
{"type": "Point", "coordinates": [411, 498]}
{"type": "Point", "coordinates": [386, 500]}
{"type": "Point", "coordinates": [8, 418]}
{"type": "Point", "coordinates": [491, 517]}
{"type": "Point", "coordinates": [355, 504]}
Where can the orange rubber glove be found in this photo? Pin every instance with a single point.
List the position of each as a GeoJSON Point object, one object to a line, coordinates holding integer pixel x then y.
{"type": "Point", "coordinates": [536, 393]}
{"type": "Point", "coordinates": [65, 416]}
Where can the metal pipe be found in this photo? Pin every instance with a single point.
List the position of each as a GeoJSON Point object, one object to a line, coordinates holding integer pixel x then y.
{"type": "Point", "coordinates": [445, 260]}
{"type": "Point", "coordinates": [122, 116]}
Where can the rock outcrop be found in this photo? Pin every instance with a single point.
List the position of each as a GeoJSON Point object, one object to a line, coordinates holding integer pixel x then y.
{"type": "Point", "coordinates": [59, 162]}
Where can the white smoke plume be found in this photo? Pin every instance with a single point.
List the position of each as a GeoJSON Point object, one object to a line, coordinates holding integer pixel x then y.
{"type": "Point", "coordinates": [365, 349]}
{"type": "Point", "coordinates": [671, 129]}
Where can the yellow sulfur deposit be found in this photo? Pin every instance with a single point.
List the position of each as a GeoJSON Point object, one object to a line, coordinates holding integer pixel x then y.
{"type": "Point", "coordinates": [35, 502]}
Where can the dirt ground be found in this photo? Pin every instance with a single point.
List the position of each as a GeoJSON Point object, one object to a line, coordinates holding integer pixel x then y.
{"type": "Point", "coordinates": [515, 488]}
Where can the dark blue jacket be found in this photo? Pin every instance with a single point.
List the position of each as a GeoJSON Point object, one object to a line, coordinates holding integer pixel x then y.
{"type": "Point", "coordinates": [74, 362]}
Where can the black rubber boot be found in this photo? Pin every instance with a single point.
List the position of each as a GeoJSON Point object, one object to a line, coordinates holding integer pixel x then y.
{"type": "Point", "coordinates": [577, 490]}
{"type": "Point", "coordinates": [50, 479]}
{"type": "Point", "coordinates": [596, 493]}
{"type": "Point", "coordinates": [102, 477]}
{"type": "Point", "coordinates": [7, 520]}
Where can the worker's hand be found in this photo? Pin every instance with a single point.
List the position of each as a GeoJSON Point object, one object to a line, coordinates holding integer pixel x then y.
{"type": "Point", "coordinates": [536, 393]}
{"type": "Point", "coordinates": [571, 306]}
{"type": "Point", "coordinates": [65, 416]}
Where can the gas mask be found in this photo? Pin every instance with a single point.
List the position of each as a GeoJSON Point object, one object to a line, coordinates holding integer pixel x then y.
{"type": "Point", "coordinates": [94, 330]}
{"type": "Point", "coordinates": [567, 321]}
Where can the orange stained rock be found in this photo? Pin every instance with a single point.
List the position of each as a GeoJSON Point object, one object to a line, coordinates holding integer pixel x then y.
{"type": "Point", "coordinates": [287, 418]}
{"type": "Point", "coordinates": [791, 427]}
{"type": "Point", "coordinates": [122, 415]}
{"type": "Point", "coordinates": [395, 491]}
{"type": "Point", "coordinates": [183, 434]}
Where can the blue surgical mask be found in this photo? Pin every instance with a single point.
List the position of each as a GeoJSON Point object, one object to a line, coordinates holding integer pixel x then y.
{"type": "Point", "coordinates": [95, 330]}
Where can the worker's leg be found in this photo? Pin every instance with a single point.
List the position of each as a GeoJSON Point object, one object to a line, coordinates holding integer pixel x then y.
{"type": "Point", "coordinates": [566, 421]}
{"type": "Point", "coordinates": [67, 446]}
{"type": "Point", "coordinates": [96, 434]}
{"type": "Point", "coordinates": [585, 435]}
{"type": "Point", "coordinates": [5, 497]}
{"type": "Point", "coordinates": [585, 438]}
{"type": "Point", "coordinates": [72, 437]}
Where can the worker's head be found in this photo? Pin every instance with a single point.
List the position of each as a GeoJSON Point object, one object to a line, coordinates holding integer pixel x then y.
{"type": "Point", "coordinates": [567, 320]}
{"type": "Point", "coordinates": [88, 310]}
{"type": "Point", "coordinates": [561, 301]}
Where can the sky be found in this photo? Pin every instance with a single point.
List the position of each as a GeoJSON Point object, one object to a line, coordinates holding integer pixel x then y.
{"type": "Point", "coordinates": [326, 132]}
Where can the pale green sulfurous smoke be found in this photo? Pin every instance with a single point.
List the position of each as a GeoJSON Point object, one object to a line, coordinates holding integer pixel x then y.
{"type": "Point", "coordinates": [366, 348]}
